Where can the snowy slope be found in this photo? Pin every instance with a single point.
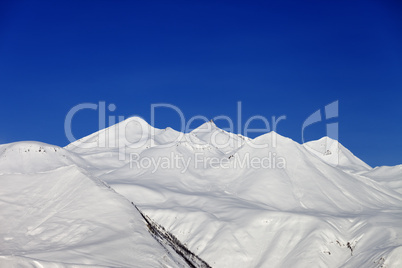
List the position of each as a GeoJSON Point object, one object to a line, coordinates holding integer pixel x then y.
{"type": "Point", "coordinates": [387, 176]}
{"type": "Point", "coordinates": [224, 141]}
{"type": "Point", "coordinates": [233, 201]}
{"type": "Point", "coordinates": [110, 148]}
{"type": "Point", "coordinates": [334, 153]}
{"type": "Point", "coordinates": [236, 216]}
{"type": "Point", "coordinates": [58, 217]}
{"type": "Point", "coordinates": [31, 157]}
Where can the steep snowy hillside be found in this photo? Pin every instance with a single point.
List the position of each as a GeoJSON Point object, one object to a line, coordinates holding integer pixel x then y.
{"type": "Point", "coordinates": [30, 157]}
{"type": "Point", "coordinates": [221, 139]}
{"type": "Point", "coordinates": [57, 217]}
{"type": "Point", "coordinates": [134, 133]}
{"type": "Point", "coordinates": [334, 153]}
{"type": "Point", "coordinates": [301, 213]}
{"type": "Point", "coordinates": [115, 146]}
{"type": "Point", "coordinates": [387, 176]}
{"type": "Point", "coordinates": [110, 148]}
{"type": "Point", "coordinates": [231, 200]}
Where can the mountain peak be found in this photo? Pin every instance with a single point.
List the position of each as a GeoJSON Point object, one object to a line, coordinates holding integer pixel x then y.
{"type": "Point", "coordinates": [334, 153]}
{"type": "Point", "coordinates": [272, 138]}
{"type": "Point", "coordinates": [33, 156]}
{"type": "Point", "coordinates": [137, 119]}
{"type": "Point", "coordinates": [205, 127]}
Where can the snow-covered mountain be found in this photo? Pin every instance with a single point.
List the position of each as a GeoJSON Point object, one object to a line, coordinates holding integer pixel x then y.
{"type": "Point", "coordinates": [334, 153]}
{"type": "Point", "coordinates": [230, 200]}
{"type": "Point", "coordinates": [56, 214]}
{"type": "Point", "coordinates": [387, 176]}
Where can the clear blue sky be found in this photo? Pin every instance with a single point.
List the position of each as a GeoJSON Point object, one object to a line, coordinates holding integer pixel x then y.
{"type": "Point", "coordinates": [277, 57]}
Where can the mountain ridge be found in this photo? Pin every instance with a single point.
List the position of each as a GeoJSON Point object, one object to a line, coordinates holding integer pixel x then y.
{"type": "Point", "coordinates": [233, 201]}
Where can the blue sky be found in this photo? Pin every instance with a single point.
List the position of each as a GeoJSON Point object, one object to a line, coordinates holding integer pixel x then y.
{"type": "Point", "coordinates": [276, 57]}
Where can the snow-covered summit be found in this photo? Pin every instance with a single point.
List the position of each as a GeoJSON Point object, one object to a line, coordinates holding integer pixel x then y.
{"type": "Point", "coordinates": [129, 131]}
{"type": "Point", "coordinates": [63, 218]}
{"type": "Point", "coordinates": [334, 153]}
{"type": "Point", "coordinates": [33, 156]}
{"type": "Point", "coordinates": [225, 141]}
{"type": "Point", "coordinates": [233, 201]}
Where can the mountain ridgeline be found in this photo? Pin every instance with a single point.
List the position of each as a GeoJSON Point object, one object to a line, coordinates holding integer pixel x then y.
{"type": "Point", "coordinates": [208, 198]}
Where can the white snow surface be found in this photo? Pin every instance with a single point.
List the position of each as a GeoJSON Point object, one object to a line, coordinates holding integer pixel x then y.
{"type": "Point", "coordinates": [233, 201]}
{"type": "Point", "coordinates": [53, 213]}
{"type": "Point", "coordinates": [334, 153]}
